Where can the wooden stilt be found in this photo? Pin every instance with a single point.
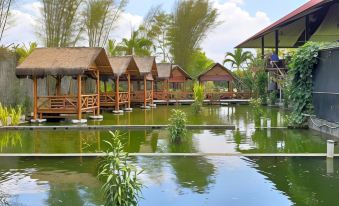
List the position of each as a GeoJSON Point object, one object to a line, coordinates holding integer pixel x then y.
{"type": "Point", "coordinates": [129, 90]}
{"type": "Point", "coordinates": [98, 92]}
{"type": "Point", "coordinates": [117, 100]}
{"type": "Point", "coordinates": [79, 96]}
{"type": "Point", "coordinates": [152, 91]}
{"type": "Point", "coordinates": [145, 91]}
{"type": "Point", "coordinates": [35, 97]}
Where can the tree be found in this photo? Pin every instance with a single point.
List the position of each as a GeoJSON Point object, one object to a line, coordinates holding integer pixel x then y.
{"type": "Point", "coordinates": [136, 45]}
{"type": "Point", "coordinates": [200, 62]}
{"type": "Point", "coordinates": [4, 13]}
{"type": "Point", "coordinates": [238, 58]}
{"type": "Point", "coordinates": [112, 48]}
{"type": "Point", "coordinates": [24, 51]}
{"type": "Point", "coordinates": [61, 23]}
{"type": "Point", "coordinates": [100, 17]}
{"type": "Point", "coordinates": [192, 19]}
{"type": "Point", "coordinates": [156, 26]}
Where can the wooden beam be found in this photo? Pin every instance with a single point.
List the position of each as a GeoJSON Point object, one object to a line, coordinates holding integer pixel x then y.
{"type": "Point", "coordinates": [152, 91]}
{"type": "Point", "coordinates": [117, 100]}
{"type": "Point", "coordinates": [98, 91]}
{"type": "Point", "coordinates": [129, 89]}
{"type": "Point", "coordinates": [35, 97]}
{"type": "Point", "coordinates": [79, 96]}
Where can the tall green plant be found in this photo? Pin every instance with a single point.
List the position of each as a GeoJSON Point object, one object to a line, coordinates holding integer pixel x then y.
{"type": "Point", "coordinates": [177, 126]}
{"type": "Point", "coordinates": [15, 114]}
{"type": "Point", "coordinates": [238, 58]}
{"type": "Point", "coordinates": [4, 114]}
{"type": "Point", "coordinates": [301, 67]}
{"type": "Point", "coordinates": [122, 186]}
{"type": "Point", "coordinates": [198, 91]}
{"type": "Point", "coordinates": [23, 52]}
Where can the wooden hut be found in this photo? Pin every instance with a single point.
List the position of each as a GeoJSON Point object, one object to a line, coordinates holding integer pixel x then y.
{"type": "Point", "coordinates": [161, 82]}
{"type": "Point", "coordinates": [147, 71]}
{"type": "Point", "coordinates": [218, 73]}
{"type": "Point", "coordinates": [78, 63]}
{"type": "Point", "coordinates": [124, 69]}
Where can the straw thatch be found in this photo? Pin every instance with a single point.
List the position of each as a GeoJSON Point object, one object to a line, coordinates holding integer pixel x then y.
{"type": "Point", "coordinates": [146, 65]}
{"type": "Point", "coordinates": [217, 72]}
{"type": "Point", "coordinates": [164, 70]}
{"type": "Point", "coordinates": [64, 61]}
{"type": "Point", "coordinates": [177, 67]}
{"type": "Point", "coordinates": [120, 64]}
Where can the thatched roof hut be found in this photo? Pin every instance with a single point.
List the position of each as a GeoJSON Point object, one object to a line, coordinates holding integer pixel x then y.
{"type": "Point", "coordinates": [164, 70]}
{"type": "Point", "coordinates": [146, 65]}
{"type": "Point", "coordinates": [217, 72]}
{"type": "Point", "coordinates": [124, 64]}
{"type": "Point", "coordinates": [64, 62]}
{"type": "Point", "coordinates": [178, 74]}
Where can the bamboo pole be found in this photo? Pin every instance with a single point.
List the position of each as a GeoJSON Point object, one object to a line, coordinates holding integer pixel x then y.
{"type": "Point", "coordinates": [35, 97]}
{"type": "Point", "coordinates": [79, 96]}
{"type": "Point", "coordinates": [117, 94]}
{"type": "Point", "coordinates": [129, 90]}
{"type": "Point", "coordinates": [145, 90]}
{"type": "Point", "coordinates": [98, 92]}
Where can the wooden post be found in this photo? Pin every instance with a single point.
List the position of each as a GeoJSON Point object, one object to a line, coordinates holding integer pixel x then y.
{"type": "Point", "coordinates": [117, 94]}
{"type": "Point", "coordinates": [58, 85]}
{"type": "Point", "coordinates": [276, 42]}
{"type": "Point", "coordinates": [105, 87]}
{"type": "Point", "coordinates": [98, 92]}
{"type": "Point", "coordinates": [129, 90]}
{"type": "Point", "coordinates": [79, 96]}
{"type": "Point", "coordinates": [35, 97]}
{"type": "Point", "coordinates": [152, 91]}
{"type": "Point", "coordinates": [145, 91]}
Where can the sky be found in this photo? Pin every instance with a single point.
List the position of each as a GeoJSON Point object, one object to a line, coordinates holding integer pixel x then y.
{"type": "Point", "coordinates": [240, 20]}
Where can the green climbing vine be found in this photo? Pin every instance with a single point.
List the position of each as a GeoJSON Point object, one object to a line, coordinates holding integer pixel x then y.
{"type": "Point", "coordinates": [300, 75]}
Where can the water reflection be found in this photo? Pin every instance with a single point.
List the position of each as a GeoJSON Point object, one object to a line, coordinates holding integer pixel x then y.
{"type": "Point", "coordinates": [10, 140]}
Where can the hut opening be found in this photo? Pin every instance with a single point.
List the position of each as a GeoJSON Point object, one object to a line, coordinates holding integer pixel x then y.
{"type": "Point", "coordinates": [66, 71]}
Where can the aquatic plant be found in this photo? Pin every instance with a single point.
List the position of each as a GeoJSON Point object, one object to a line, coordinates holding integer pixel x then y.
{"type": "Point", "coordinates": [177, 126]}
{"type": "Point", "coordinates": [122, 186]}
{"type": "Point", "coordinates": [4, 114]}
{"type": "Point", "coordinates": [198, 91]}
{"type": "Point", "coordinates": [15, 115]}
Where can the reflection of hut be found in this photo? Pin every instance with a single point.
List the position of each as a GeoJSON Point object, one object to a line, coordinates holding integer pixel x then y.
{"type": "Point", "coordinates": [123, 68]}
{"type": "Point", "coordinates": [78, 63]}
{"type": "Point", "coordinates": [147, 70]}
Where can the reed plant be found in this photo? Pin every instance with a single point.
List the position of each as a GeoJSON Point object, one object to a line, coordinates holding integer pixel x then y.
{"type": "Point", "coordinates": [198, 91]}
{"type": "Point", "coordinates": [4, 114]}
{"type": "Point", "coordinates": [121, 183]}
{"type": "Point", "coordinates": [15, 115]}
{"type": "Point", "coordinates": [177, 126]}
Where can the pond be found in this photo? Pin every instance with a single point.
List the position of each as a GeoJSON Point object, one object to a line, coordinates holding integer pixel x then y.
{"type": "Point", "coordinates": [176, 181]}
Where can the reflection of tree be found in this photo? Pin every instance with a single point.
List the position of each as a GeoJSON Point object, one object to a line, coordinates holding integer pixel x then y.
{"type": "Point", "coordinates": [304, 180]}
{"type": "Point", "coordinates": [195, 173]}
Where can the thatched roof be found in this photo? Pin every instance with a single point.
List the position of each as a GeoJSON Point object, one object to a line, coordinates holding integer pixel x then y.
{"type": "Point", "coordinates": [177, 67]}
{"type": "Point", "coordinates": [64, 61]}
{"type": "Point", "coordinates": [164, 70]}
{"type": "Point", "coordinates": [120, 64]}
{"type": "Point", "coordinates": [217, 72]}
{"type": "Point", "coordinates": [146, 65]}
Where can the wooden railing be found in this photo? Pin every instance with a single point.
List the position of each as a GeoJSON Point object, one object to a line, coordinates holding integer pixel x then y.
{"type": "Point", "coordinates": [68, 104]}
{"type": "Point", "coordinates": [181, 95]}
{"type": "Point", "coordinates": [108, 99]}
{"type": "Point", "coordinates": [138, 96]}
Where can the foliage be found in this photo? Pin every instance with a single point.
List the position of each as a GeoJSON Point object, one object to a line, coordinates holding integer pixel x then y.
{"type": "Point", "coordinates": [61, 23]}
{"type": "Point", "coordinates": [4, 14]}
{"type": "Point", "coordinates": [301, 68]}
{"type": "Point", "coordinates": [136, 45]}
{"type": "Point", "coordinates": [15, 115]}
{"type": "Point", "coordinates": [200, 62]}
{"type": "Point", "coordinates": [177, 126]}
{"type": "Point", "coordinates": [100, 16]}
{"type": "Point", "coordinates": [198, 91]}
{"type": "Point", "coordinates": [8, 139]}
{"type": "Point", "coordinates": [272, 97]}
{"type": "Point", "coordinates": [256, 105]}
{"type": "Point", "coordinates": [261, 85]}
{"type": "Point", "coordinates": [4, 114]}
{"type": "Point", "coordinates": [121, 184]}
{"type": "Point", "coordinates": [192, 19]}
{"type": "Point", "coordinates": [23, 52]}
{"type": "Point", "coordinates": [238, 58]}
{"type": "Point", "coordinates": [112, 48]}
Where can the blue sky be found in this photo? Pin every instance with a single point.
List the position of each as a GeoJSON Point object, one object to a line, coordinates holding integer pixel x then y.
{"type": "Point", "coordinates": [240, 20]}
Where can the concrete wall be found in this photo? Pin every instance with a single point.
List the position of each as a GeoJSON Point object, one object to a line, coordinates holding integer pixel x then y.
{"type": "Point", "coordinates": [324, 126]}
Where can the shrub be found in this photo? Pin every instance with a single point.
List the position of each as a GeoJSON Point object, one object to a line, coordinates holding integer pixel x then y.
{"type": "Point", "coordinates": [15, 115]}
{"type": "Point", "coordinates": [121, 184]}
{"type": "Point", "coordinates": [4, 114]}
{"type": "Point", "coordinates": [256, 106]}
{"type": "Point", "coordinates": [198, 91]}
{"type": "Point", "coordinates": [273, 97]}
{"type": "Point", "coordinates": [177, 126]}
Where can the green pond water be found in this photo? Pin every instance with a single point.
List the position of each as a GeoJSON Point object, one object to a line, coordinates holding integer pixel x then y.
{"type": "Point", "coordinates": [176, 181]}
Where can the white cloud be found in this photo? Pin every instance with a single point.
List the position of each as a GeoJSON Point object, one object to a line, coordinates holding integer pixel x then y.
{"type": "Point", "coordinates": [237, 25]}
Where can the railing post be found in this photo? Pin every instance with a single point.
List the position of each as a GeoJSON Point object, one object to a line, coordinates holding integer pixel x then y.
{"type": "Point", "coordinates": [330, 148]}
{"type": "Point", "coordinates": [145, 91]}
{"type": "Point", "coordinates": [117, 99]}
{"type": "Point", "coordinates": [129, 90]}
{"type": "Point", "coordinates": [98, 92]}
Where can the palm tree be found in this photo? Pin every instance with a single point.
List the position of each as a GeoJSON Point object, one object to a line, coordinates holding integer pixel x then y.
{"type": "Point", "coordinates": [112, 48]}
{"type": "Point", "coordinates": [24, 52]}
{"type": "Point", "coordinates": [238, 58]}
{"type": "Point", "coordinates": [136, 45]}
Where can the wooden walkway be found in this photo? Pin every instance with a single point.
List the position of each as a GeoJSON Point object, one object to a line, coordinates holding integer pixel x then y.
{"type": "Point", "coordinates": [190, 101]}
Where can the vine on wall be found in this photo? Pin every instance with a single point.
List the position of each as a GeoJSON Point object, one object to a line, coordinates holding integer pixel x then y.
{"type": "Point", "coordinates": [300, 73]}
